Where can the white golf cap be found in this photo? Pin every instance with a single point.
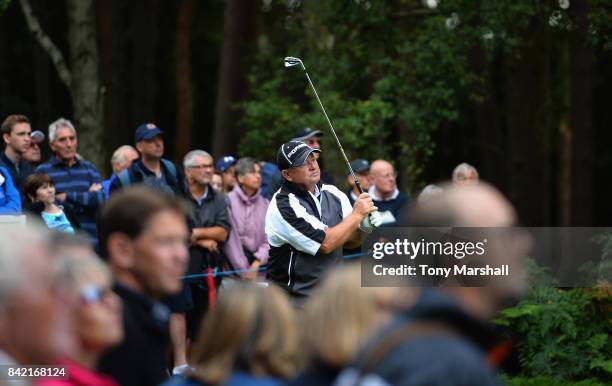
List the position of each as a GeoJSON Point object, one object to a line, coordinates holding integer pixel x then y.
{"type": "Point", "coordinates": [37, 136]}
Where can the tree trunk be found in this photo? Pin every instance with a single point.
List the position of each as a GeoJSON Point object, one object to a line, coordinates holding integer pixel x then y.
{"type": "Point", "coordinates": [104, 16]}
{"type": "Point", "coordinates": [581, 65]}
{"type": "Point", "coordinates": [184, 108]}
{"type": "Point", "coordinates": [238, 31]}
{"type": "Point", "coordinates": [83, 81]}
{"type": "Point", "coordinates": [87, 93]}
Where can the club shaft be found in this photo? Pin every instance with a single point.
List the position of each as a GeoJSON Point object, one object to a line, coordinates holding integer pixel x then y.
{"type": "Point", "coordinates": [314, 90]}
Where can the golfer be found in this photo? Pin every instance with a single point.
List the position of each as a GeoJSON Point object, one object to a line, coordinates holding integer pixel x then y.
{"type": "Point", "coordinates": [308, 222]}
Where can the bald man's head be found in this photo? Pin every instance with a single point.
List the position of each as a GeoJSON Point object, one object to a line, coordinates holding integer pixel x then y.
{"type": "Point", "coordinates": [479, 205]}
{"type": "Point", "coordinates": [123, 157]}
{"type": "Point", "coordinates": [382, 177]}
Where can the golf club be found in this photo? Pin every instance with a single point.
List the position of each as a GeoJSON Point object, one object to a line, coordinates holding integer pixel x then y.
{"type": "Point", "coordinates": [291, 61]}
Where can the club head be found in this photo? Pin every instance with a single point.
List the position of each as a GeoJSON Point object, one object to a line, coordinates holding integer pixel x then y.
{"type": "Point", "coordinates": [291, 61]}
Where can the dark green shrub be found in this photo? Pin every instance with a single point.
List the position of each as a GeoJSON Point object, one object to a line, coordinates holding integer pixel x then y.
{"type": "Point", "coordinates": [565, 333]}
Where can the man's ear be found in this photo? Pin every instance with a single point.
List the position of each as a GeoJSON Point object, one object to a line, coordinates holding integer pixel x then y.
{"type": "Point", "coordinates": [120, 251]}
{"type": "Point", "coordinates": [52, 146]}
{"type": "Point", "coordinates": [287, 175]}
{"type": "Point", "coordinates": [5, 138]}
{"type": "Point", "coordinates": [139, 147]}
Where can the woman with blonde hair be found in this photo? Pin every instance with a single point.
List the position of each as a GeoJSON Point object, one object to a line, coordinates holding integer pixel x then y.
{"type": "Point", "coordinates": [339, 318]}
{"type": "Point", "coordinates": [250, 339]}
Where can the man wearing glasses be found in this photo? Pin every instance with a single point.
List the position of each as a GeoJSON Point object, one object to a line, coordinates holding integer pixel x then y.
{"type": "Point", "coordinates": [210, 227]}
{"type": "Point", "coordinates": [390, 201]}
{"type": "Point", "coordinates": [151, 169]}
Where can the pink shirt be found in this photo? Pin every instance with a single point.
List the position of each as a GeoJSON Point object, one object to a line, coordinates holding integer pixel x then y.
{"type": "Point", "coordinates": [247, 216]}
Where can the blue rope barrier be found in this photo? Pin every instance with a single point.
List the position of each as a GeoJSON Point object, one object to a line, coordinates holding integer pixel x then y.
{"type": "Point", "coordinates": [216, 272]}
{"type": "Point", "coordinates": [353, 256]}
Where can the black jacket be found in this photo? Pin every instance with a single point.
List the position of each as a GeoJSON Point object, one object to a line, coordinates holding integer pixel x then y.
{"type": "Point", "coordinates": [142, 358]}
{"type": "Point", "coordinates": [212, 211]}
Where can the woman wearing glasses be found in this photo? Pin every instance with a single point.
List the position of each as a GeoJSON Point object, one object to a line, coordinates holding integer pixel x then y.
{"type": "Point", "coordinates": [97, 319]}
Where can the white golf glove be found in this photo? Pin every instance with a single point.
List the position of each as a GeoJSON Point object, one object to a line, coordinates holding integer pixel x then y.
{"type": "Point", "coordinates": [371, 221]}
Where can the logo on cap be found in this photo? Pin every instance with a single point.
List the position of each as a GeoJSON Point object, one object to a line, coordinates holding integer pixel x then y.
{"type": "Point", "coordinates": [151, 126]}
{"type": "Point", "coordinates": [298, 147]}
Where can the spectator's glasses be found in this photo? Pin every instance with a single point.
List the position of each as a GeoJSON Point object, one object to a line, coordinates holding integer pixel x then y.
{"type": "Point", "coordinates": [91, 294]}
{"type": "Point", "coordinates": [201, 166]}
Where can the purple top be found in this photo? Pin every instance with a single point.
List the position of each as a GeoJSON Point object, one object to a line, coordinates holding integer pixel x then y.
{"type": "Point", "coordinates": [247, 216]}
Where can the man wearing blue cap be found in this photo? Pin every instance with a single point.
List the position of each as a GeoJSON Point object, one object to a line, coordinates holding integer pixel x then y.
{"type": "Point", "coordinates": [226, 165]}
{"type": "Point", "coordinates": [159, 174]}
{"type": "Point", "coordinates": [151, 169]}
{"type": "Point", "coordinates": [307, 222]}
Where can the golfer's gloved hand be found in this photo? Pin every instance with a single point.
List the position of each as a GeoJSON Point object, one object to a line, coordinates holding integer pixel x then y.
{"type": "Point", "coordinates": [371, 221]}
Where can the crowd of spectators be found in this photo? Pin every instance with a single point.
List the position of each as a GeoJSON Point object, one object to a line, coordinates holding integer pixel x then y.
{"type": "Point", "coordinates": [158, 274]}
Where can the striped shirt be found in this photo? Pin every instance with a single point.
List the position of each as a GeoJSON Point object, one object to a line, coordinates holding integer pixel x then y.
{"type": "Point", "coordinates": [75, 181]}
{"type": "Point", "coordinates": [296, 221]}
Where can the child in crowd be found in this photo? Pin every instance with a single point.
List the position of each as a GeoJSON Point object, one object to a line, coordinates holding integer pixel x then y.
{"type": "Point", "coordinates": [40, 191]}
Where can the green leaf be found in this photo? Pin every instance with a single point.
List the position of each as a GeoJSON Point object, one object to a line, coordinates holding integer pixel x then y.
{"type": "Point", "coordinates": [605, 365]}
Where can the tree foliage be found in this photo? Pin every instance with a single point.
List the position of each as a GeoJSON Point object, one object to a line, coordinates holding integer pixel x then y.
{"type": "Point", "coordinates": [389, 73]}
{"type": "Point", "coordinates": [564, 333]}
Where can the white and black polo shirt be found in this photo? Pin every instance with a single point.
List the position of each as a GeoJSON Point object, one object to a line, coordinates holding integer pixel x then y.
{"type": "Point", "coordinates": [295, 227]}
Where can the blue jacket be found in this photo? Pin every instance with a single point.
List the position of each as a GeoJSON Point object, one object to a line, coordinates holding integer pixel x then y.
{"type": "Point", "coordinates": [106, 184]}
{"type": "Point", "coordinates": [456, 357]}
{"type": "Point", "coordinates": [10, 203]}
